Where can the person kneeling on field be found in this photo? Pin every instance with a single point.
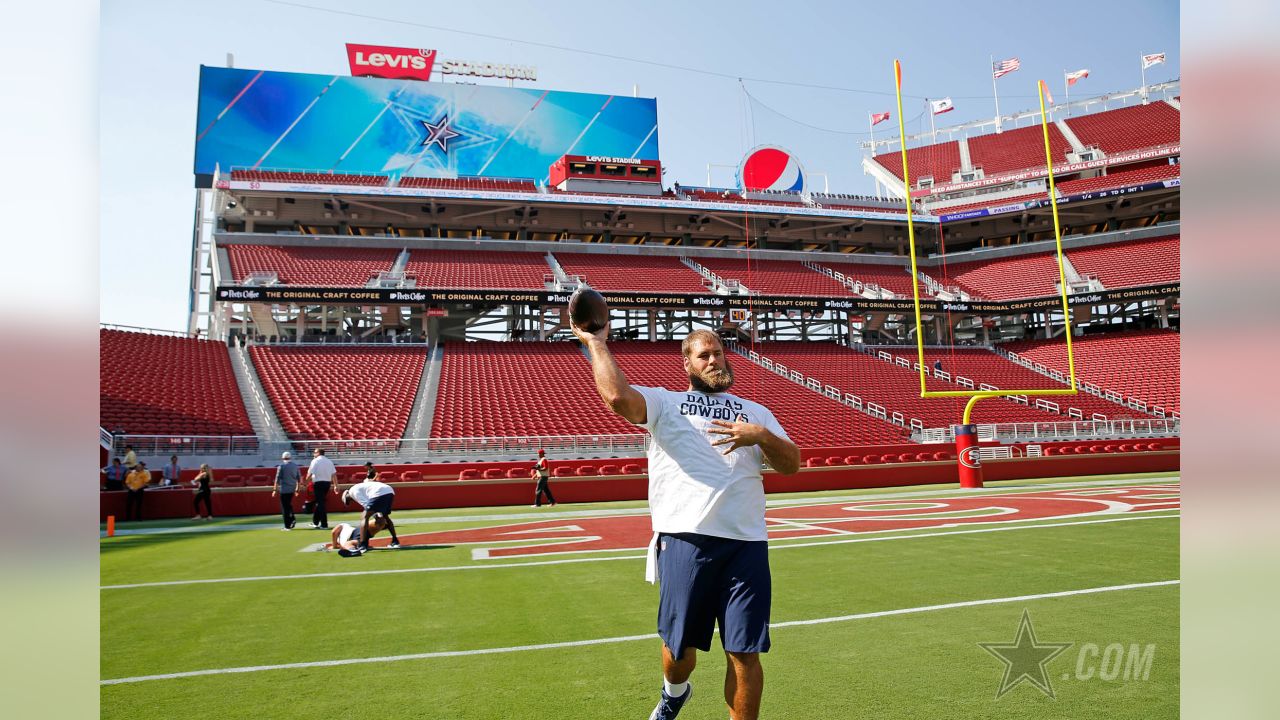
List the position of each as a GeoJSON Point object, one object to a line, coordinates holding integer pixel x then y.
{"type": "Point", "coordinates": [376, 498]}
{"type": "Point", "coordinates": [347, 539]}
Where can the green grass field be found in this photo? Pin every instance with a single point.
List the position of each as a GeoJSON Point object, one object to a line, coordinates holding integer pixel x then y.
{"type": "Point", "coordinates": [474, 620]}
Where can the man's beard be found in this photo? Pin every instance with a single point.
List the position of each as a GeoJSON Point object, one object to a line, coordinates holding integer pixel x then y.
{"type": "Point", "coordinates": [712, 381]}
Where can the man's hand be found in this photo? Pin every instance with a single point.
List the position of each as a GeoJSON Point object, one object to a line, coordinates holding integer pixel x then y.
{"type": "Point", "coordinates": [601, 335]}
{"type": "Point", "coordinates": [780, 453]}
{"type": "Point", "coordinates": [737, 434]}
{"type": "Point", "coordinates": [273, 493]}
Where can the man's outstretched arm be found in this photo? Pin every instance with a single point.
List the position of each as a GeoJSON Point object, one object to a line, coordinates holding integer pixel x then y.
{"type": "Point", "coordinates": [611, 383]}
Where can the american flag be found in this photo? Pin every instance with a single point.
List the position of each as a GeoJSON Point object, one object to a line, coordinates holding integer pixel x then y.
{"type": "Point", "coordinates": [1004, 67]}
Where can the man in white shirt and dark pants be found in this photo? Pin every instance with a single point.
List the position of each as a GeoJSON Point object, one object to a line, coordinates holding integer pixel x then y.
{"type": "Point", "coordinates": [706, 498]}
{"type": "Point", "coordinates": [321, 474]}
{"type": "Point", "coordinates": [376, 498]}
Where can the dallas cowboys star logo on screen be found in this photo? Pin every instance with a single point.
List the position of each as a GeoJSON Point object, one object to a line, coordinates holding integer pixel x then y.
{"type": "Point", "coordinates": [439, 134]}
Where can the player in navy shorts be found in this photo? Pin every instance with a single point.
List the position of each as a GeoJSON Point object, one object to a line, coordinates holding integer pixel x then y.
{"type": "Point", "coordinates": [709, 551]}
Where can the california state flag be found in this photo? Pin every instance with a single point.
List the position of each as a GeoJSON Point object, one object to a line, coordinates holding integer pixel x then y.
{"type": "Point", "coordinates": [942, 106]}
{"type": "Point", "coordinates": [1077, 76]}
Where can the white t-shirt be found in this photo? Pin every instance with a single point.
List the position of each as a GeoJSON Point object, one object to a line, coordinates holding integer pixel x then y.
{"type": "Point", "coordinates": [348, 532]}
{"type": "Point", "coordinates": [366, 491]}
{"type": "Point", "coordinates": [694, 487]}
{"type": "Point", "coordinates": [321, 469]}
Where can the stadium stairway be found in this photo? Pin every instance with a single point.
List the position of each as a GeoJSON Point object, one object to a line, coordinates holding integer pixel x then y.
{"type": "Point", "coordinates": [264, 320]}
{"type": "Point", "coordinates": [262, 417]}
{"type": "Point", "coordinates": [424, 405]}
{"type": "Point", "coordinates": [966, 161]}
{"type": "Point", "coordinates": [1070, 135]}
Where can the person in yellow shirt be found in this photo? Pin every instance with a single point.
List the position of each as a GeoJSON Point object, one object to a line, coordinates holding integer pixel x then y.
{"type": "Point", "coordinates": [130, 458]}
{"type": "Point", "coordinates": [135, 481]}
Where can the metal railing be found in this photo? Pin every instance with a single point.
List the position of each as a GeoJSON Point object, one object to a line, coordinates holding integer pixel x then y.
{"type": "Point", "coordinates": [185, 444]}
{"type": "Point", "coordinates": [1048, 431]}
{"type": "Point", "coordinates": [569, 445]}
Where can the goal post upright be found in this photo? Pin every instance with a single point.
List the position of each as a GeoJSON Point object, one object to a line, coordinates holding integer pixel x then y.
{"type": "Point", "coordinates": [966, 433]}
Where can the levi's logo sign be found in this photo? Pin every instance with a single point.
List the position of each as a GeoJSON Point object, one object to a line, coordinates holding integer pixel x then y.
{"type": "Point", "coordinates": [390, 62]}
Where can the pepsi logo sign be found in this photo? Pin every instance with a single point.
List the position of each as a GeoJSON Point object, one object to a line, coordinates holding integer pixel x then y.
{"type": "Point", "coordinates": [771, 168]}
{"type": "Point", "coordinates": [970, 458]}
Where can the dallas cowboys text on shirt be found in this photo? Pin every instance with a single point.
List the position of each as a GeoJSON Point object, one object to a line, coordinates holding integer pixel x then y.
{"type": "Point", "coordinates": [712, 408]}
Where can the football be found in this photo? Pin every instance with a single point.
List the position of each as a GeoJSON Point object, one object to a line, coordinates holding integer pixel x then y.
{"type": "Point", "coordinates": [587, 310]}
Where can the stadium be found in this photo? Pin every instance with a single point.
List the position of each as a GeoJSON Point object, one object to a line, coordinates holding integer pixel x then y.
{"type": "Point", "coordinates": [381, 268]}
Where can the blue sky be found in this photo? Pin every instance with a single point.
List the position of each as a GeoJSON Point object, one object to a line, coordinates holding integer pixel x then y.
{"type": "Point", "coordinates": [151, 51]}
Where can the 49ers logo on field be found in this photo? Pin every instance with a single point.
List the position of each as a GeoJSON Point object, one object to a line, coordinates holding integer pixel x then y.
{"type": "Point", "coordinates": [970, 458]}
{"type": "Point", "coordinates": [396, 63]}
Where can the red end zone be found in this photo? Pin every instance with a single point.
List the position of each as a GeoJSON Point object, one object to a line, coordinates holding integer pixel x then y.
{"type": "Point", "coordinates": [819, 520]}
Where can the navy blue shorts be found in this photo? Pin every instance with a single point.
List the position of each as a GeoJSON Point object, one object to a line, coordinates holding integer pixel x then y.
{"type": "Point", "coordinates": [381, 504]}
{"type": "Point", "coordinates": [704, 580]}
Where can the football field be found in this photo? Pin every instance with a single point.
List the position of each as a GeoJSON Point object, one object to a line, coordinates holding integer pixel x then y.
{"type": "Point", "coordinates": [881, 600]}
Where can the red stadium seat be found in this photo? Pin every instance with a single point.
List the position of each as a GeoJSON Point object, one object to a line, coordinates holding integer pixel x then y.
{"type": "Point", "coordinates": [632, 469]}
{"type": "Point", "coordinates": [411, 476]}
{"type": "Point", "coordinates": [389, 477]}
{"type": "Point", "coordinates": [517, 472]}
{"type": "Point", "coordinates": [228, 481]}
{"type": "Point", "coordinates": [494, 473]}
{"type": "Point", "coordinates": [469, 474]}
{"type": "Point", "coordinates": [907, 457]}
{"type": "Point", "coordinates": [814, 462]}
{"type": "Point", "coordinates": [924, 457]}
{"type": "Point", "coordinates": [562, 471]}
{"type": "Point", "coordinates": [164, 385]}
{"type": "Point", "coordinates": [834, 460]}
{"type": "Point", "coordinates": [585, 470]}
{"type": "Point", "coordinates": [872, 459]}
{"type": "Point", "coordinates": [608, 469]}
{"type": "Point", "coordinates": [852, 459]}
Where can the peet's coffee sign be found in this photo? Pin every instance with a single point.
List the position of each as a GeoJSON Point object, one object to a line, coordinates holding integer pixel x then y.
{"type": "Point", "coordinates": [438, 298]}
{"type": "Point", "coordinates": [397, 63]}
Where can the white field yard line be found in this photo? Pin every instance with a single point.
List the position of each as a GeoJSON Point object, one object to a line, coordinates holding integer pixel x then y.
{"type": "Point", "coordinates": [631, 638]}
{"type": "Point", "coordinates": [1129, 517]}
{"type": "Point", "coordinates": [609, 512]}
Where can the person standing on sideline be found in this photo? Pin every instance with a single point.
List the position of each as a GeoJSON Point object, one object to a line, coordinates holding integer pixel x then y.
{"type": "Point", "coordinates": [114, 475]}
{"type": "Point", "coordinates": [130, 458]}
{"type": "Point", "coordinates": [203, 492]}
{"type": "Point", "coordinates": [169, 473]}
{"type": "Point", "coordinates": [543, 474]}
{"type": "Point", "coordinates": [286, 484]}
{"type": "Point", "coordinates": [321, 472]}
{"type": "Point", "coordinates": [706, 497]}
{"type": "Point", "coordinates": [136, 481]}
{"type": "Point", "coordinates": [376, 498]}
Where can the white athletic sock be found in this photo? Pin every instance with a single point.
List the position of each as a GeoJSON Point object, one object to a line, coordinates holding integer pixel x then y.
{"type": "Point", "coordinates": [674, 690]}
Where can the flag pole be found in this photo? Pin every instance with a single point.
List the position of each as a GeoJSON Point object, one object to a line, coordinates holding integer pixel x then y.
{"type": "Point", "coordinates": [1066, 90]}
{"type": "Point", "coordinates": [991, 66]}
{"type": "Point", "coordinates": [872, 126]}
{"type": "Point", "coordinates": [933, 129]}
{"type": "Point", "coordinates": [1142, 62]}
